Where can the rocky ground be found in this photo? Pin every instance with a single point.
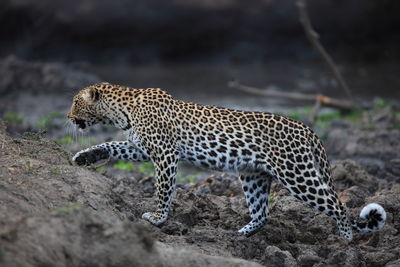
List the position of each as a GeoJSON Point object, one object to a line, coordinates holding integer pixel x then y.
{"type": "Point", "coordinates": [56, 214]}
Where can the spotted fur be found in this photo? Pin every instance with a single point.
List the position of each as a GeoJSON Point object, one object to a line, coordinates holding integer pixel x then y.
{"type": "Point", "coordinates": [260, 146]}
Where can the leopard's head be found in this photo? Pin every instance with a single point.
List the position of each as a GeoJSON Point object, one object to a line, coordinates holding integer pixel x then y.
{"type": "Point", "coordinates": [87, 108]}
{"type": "Point", "coordinates": [112, 104]}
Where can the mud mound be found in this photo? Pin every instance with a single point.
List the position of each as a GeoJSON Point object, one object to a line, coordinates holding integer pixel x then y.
{"type": "Point", "coordinates": [56, 214]}
{"type": "Point", "coordinates": [53, 214]}
{"type": "Point", "coordinates": [36, 176]}
{"type": "Point", "coordinates": [73, 236]}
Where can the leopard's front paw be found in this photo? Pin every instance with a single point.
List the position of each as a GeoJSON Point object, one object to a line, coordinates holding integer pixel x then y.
{"type": "Point", "coordinates": [87, 157]}
{"type": "Point", "coordinates": [155, 218]}
{"type": "Point", "coordinates": [80, 158]}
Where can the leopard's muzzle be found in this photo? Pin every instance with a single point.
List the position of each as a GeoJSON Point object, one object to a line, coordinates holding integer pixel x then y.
{"type": "Point", "coordinates": [81, 123]}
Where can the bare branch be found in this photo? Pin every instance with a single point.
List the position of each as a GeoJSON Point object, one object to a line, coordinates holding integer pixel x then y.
{"type": "Point", "coordinates": [314, 39]}
{"type": "Point", "coordinates": [314, 113]}
{"type": "Point", "coordinates": [322, 99]}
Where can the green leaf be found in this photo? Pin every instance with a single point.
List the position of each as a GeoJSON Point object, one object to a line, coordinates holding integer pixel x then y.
{"type": "Point", "coordinates": [146, 168]}
{"type": "Point", "coordinates": [123, 165]}
{"type": "Point", "coordinates": [12, 117]}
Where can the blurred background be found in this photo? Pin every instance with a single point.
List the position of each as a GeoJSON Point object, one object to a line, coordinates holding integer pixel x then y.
{"type": "Point", "coordinates": [49, 50]}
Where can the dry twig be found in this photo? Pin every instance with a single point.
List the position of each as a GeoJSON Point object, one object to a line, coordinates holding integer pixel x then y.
{"type": "Point", "coordinates": [318, 99]}
{"type": "Point", "coordinates": [315, 111]}
{"type": "Point", "coordinates": [313, 37]}
{"type": "Point", "coordinates": [322, 99]}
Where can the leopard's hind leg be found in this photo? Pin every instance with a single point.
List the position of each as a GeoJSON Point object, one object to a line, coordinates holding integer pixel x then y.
{"type": "Point", "coordinates": [304, 181]}
{"type": "Point", "coordinates": [256, 188]}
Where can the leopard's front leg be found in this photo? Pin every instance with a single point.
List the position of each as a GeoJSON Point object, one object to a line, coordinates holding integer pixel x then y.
{"type": "Point", "coordinates": [166, 166]}
{"type": "Point", "coordinates": [113, 150]}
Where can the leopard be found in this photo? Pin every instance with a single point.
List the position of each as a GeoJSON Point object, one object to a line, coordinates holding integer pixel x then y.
{"type": "Point", "coordinates": [260, 147]}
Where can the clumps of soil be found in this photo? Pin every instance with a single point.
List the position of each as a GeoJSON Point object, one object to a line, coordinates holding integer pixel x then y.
{"type": "Point", "coordinates": [55, 214]}
{"type": "Point", "coordinates": [374, 143]}
{"type": "Point", "coordinates": [75, 236]}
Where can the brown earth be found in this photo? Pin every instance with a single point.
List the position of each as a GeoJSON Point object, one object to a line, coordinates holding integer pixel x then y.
{"type": "Point", "coordinates": [55, 214]}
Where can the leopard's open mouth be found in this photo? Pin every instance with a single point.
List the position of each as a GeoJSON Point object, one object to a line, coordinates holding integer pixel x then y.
{"type": "Point", "coordinates": [81, 123]}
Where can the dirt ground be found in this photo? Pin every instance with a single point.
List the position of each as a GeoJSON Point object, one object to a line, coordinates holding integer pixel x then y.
{"type": "Point", "coordinates": [55, 214]}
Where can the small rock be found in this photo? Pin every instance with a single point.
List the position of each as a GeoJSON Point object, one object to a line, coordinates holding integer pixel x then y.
{"type": "Point", "coordinates": [348, 173]}
{"type": "Point", "coordinates": [351, 257]}
{"type": "Point", "coordinates": [395, 263]}
{"type": "Point", "coordinates": [274, 256]}
{"type": "Point", "coordinates": [308, 257]}
{"type": "Point", "coordinates": [174, 228]}
{"type": "Point", "coordinates": [379, 258]}
{"type": "Point", "coordinates": [353, 196]}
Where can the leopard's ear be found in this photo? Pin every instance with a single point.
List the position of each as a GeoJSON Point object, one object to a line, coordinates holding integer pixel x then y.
{"type": "Point", "coordinates": [91, 96]}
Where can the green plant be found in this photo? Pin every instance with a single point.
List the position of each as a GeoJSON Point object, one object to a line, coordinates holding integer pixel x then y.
{"type": "Point", "coordinates": [123, 165]}
{"type": "Point", "coordinates": [101, 170]}
{"type": "Point", "coordinates": [354, 115]}
{"type": "Point", "coordinates": [34, 135]}
{"type": "Point", "coordinates": [69, 208]}
{"type": "Point", "coordinates": [146, 168]}
{"type": "Point", "coordinates": [48, 120]}
{"type": "Point", "coordinates": [55, 171]}
{"type": "Point", "coordinates": [300, 114]}
{"type": "Point", "coordinates": [325, 119]}
{"type": "Point", "coordinates": [190, 179]}
{"type": "Point", "coordinates": [66, 140]}
{"type": "Point", "coordinates": [83, 141]}
{"type": "Point", "coordinates": [12, 117]}
{"type": "Point", "coordinates": [271, 198]}
{"type": "Point", "coordinates": [29, 168]}
{"type": "Point", "coordinates": [369, 127]}
{"type": "Point", "coordinates": [379, 103]}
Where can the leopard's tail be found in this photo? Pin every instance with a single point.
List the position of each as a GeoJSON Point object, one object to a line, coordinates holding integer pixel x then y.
{"type": "Point", "coordinates": [375, 217]}
{"type": "Point", "coordinates": [373, 214]}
